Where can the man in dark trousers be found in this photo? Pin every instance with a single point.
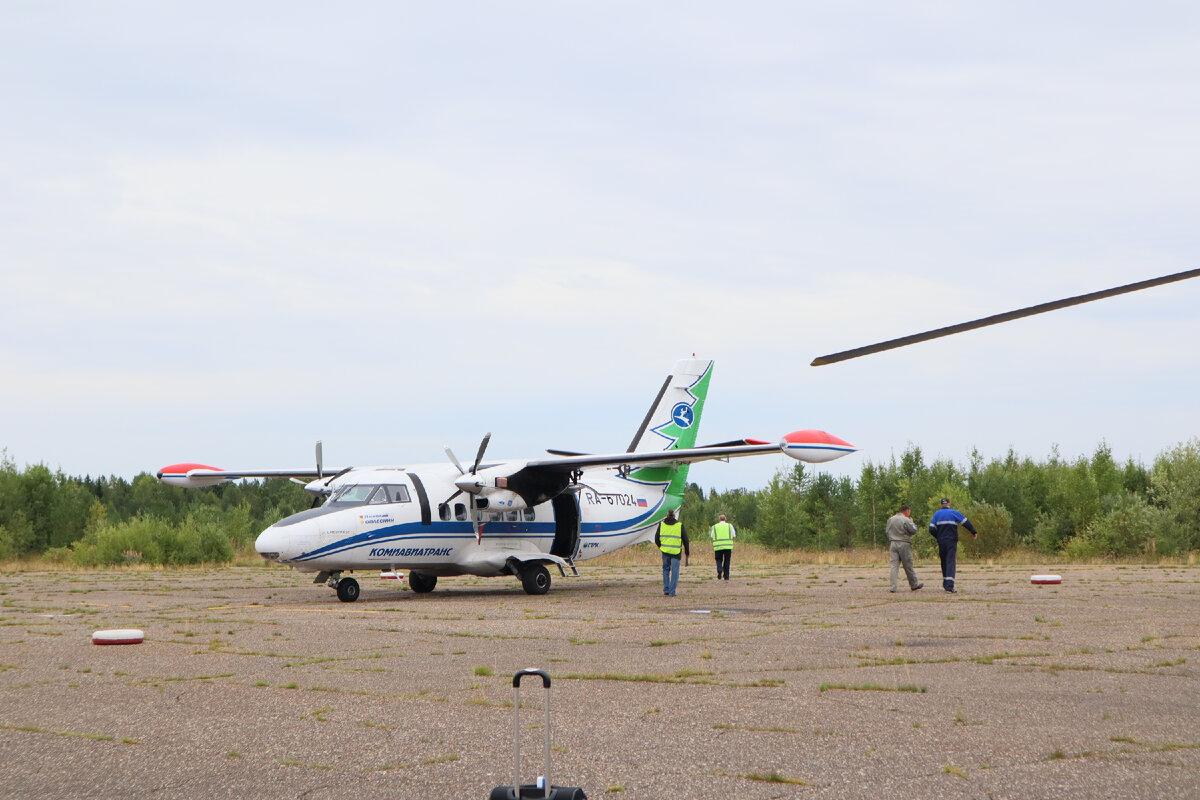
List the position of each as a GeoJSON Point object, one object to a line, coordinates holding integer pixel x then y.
{"type": "Point", "coordinates": [722, 535]}
{"type": "Point", "coordinates": [944, 527]}
{"type": "Point", "coordinates": [672, 540]}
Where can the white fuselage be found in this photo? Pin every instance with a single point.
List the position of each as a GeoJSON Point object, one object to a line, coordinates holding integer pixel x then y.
{"type": "Point", "coordinates": [393, 518]}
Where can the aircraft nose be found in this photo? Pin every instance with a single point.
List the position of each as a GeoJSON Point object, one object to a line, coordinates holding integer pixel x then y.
{"type": "Point", "coordinates": [269, 544]}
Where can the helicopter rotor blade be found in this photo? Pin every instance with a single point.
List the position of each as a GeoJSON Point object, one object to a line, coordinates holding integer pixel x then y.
{"type": "Point", "coordinates": [996, 319]}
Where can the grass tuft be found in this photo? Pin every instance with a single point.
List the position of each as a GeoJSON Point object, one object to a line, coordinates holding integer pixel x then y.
{"type": "Point", "coordinates": [773, 777]}
{"type": "Point", "coordinates": [873, 687]}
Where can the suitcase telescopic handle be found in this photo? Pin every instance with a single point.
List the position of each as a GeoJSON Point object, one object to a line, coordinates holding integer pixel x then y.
{"type": "Point", "coordinates": [545, 676]}
{"type": "Point", "coordinates": [541, 672]}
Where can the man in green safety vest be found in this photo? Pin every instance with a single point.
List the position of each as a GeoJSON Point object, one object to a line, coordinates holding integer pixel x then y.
{"type": "Point", "coordinates": [722, 535]}
{"type": "Point", "coordinates": [672, 540]}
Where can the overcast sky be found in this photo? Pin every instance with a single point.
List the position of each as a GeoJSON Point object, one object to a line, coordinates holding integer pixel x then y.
{"type": "Point", "coordinates": [230, 229]}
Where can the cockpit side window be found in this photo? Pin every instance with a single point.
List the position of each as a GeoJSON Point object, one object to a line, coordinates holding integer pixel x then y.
{"type": "Point", "coordinates": [373, 494]}
{"type": "Point", "coordinates": [355, 494]}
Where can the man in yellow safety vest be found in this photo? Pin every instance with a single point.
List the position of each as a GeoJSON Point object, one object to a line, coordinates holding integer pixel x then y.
{"type": "Point", "coordinates": [722, 535]}
{"type": "Point", "coordinates": [672, 540]}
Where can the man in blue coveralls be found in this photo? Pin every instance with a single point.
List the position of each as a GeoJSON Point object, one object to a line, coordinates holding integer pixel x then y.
{"type": "Point", "coordinates": [944, 527]}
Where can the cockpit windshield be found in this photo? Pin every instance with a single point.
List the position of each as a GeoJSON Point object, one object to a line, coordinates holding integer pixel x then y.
{"type": "Point", "coordinates": [362, 494]}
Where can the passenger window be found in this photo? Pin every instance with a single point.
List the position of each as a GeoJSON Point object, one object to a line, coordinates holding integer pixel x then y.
{"type": "Point", "coordinates": [495, 516]}
{"type": "Point", "coordinates": [460, 512]}
{"type": "Point", "coordinates": [528, 514]}
{"type": "Point", "coordinates": [444, 512]}
{"type": "Point", "coordinates": [511, 516]}
{"type": "Point", "coordinates": [398, 494]}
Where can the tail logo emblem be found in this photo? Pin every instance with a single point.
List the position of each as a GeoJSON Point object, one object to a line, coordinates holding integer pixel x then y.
{"type": "Point", "coordinates": [682, 415]}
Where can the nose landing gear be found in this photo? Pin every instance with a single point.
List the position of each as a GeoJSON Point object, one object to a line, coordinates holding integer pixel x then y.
{"type": "Point", "coordinates": [347, 588]}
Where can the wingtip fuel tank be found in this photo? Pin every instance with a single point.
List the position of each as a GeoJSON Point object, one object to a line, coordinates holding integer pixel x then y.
{"type": "Point", "coordinates": [815, 447]}
{"type": "Point", "coordinates": [190, 476]}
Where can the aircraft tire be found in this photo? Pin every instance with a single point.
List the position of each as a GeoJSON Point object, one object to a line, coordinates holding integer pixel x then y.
{"type": "Point", "coordinates": [347, 590]}
{"type": "Point", "coordinates": [421, 583]}
{"type": "Point", "coordinates": [535, 578]}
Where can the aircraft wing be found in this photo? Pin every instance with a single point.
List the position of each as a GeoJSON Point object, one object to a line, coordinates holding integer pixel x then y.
{"type": "Point", "coordinates": [195, 475]}
{"type": "Point", "coordinates": [538, 480]}
{"type": "Point", "coordinates": [809, 445]}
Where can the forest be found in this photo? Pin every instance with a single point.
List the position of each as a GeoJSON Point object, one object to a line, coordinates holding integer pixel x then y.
{"type": "Point", "coordinates": [1084, 508]}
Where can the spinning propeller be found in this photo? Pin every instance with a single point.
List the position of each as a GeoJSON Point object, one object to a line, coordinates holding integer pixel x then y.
{"type": "Point", "coordinates": [470, 485]}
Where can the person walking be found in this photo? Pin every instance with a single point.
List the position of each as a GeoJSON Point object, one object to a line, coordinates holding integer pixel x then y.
{"type": "Point", "coordinates": [671, 539]}
{"type": "Point", "coordinates": [900, 529]}
{"type": "Point", "coordinates": [722, 535]}
{"type": "Point", "coordinates": [944, 527]}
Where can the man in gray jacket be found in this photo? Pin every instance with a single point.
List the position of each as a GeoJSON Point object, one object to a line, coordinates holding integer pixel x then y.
{"type": "Point", "coordinates": [900, 529]}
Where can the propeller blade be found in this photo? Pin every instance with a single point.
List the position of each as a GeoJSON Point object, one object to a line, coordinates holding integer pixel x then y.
{"type": "Point", "coordinates": [454, 461]}
{"type": "Point", "coordinates": [336, 475]}
{"type": "Point", "coordinates": [320, 469]}
{"type": "Point", "coordinates": [487, 437]}
{"type": "Point", "coordinates": [996, 319]}
{"type": "Point", "coordinates": [475, 523]}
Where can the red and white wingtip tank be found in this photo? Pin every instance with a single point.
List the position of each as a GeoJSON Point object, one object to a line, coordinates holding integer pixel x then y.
{"type": "Point", "coordinates": [191, 476]}
{"type": "Point", "coordinates": [815, 447]}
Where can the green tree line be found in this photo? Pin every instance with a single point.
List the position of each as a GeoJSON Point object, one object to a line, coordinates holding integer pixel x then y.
{"type": "Point", "coordinates": [109, 520]}
{"type": "Point", "coordinates": [1088, 507]}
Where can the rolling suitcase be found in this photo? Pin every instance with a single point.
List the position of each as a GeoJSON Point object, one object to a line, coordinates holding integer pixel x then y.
{"type": "Point", "coordinates": [532, 790]}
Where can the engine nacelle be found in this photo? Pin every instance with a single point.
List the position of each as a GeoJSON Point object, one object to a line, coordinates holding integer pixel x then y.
{"type": "Point", "coordinates": [501, 500]}
{"type": "Point", "coordinates": [318, 486]}
{"type": "Point", "coordinates": [190, 476]}
{"type": "Point", "coordinates": [815, 447]}
{"type": "Point", "coordinates": [513, 486]}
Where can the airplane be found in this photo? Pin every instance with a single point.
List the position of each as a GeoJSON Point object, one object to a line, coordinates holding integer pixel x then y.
{"type": "Point", "coordinates": [505, 517]}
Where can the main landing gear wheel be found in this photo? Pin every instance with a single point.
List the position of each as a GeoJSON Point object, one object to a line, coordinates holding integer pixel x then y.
{"type": "Point", "coordinates": [347, 590]}
{"type": "Point", "coordinates": [536, 579]}
{"type": "Point", "coordinates": [421, 583]}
